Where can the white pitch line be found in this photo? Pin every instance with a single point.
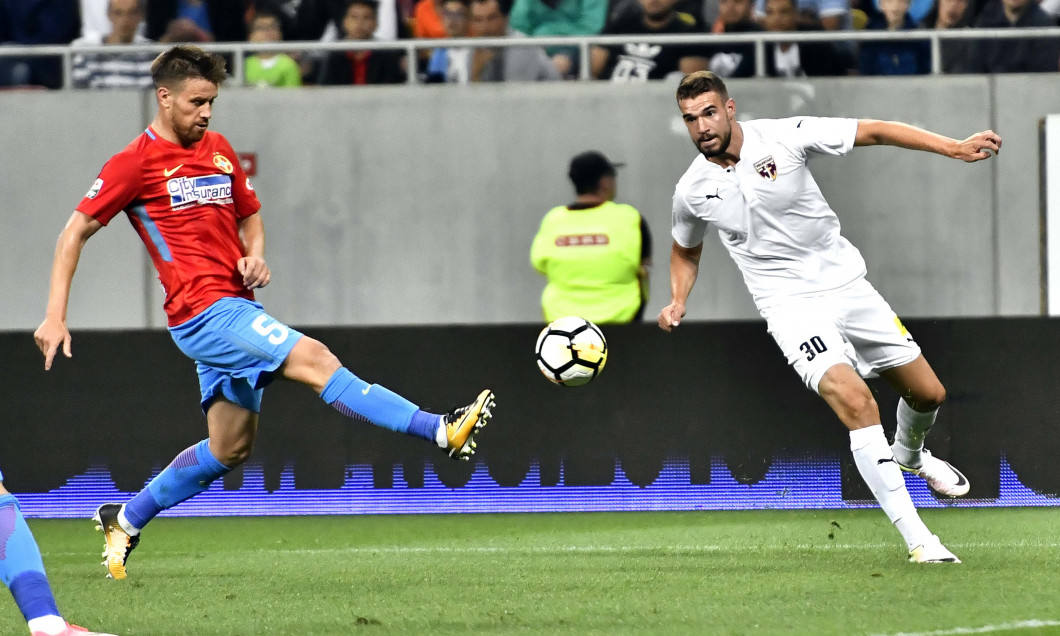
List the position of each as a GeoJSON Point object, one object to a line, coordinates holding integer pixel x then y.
{"type": "Point", "coordinates": [624, 549]}
{"type": "Point", "coordinates": [613, 549]}
{"type": "Point", "coordinates": [986, 629]}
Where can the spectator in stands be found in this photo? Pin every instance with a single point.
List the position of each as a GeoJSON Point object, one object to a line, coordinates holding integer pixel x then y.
{"type": "Point", "coordinates": [511, 64]}
{"type": "Point", "coordinates": [1039, 55]}
{"type": "Point", "coordinates": [322, 19]}
{"type": "Point", "coordinates": [184, 30]}
{"type": "Point", "coordinates": [452, 64]}
{"type": "Point", "coordinates": [951, 14]}
{"type": "Point", "coordinates": [894, 57]}
{"type": "Point", "coordinates": [114, 70]}
{"type": "Point", "coordinates": [734, 60]}
{"type": "Point", "coordinates": [94, 20]}
{"type": "Point", "coordinates": [222, 20]}
{"type": "Point", "coordinates": [830, 15]}
{"type": "Point", "coordinates": [546, 18]}
{"type": "Point", "coordinates": [918, 9]}
{"type": "Point", "coordinates": [639, 62]}
{"type": "Point", "coordinates": [594, 252]}
{"type": "Point", "coordinates": [1051, 8]}
{"type": "Point", "coordinates": [801, 59]}
{"type": "Point", "coordinates": [268, 68]}
{"type": "Point", "coordinates": [365, 66]}
{"type": "Point", "coordinates": [427, 20]}
{"type": "Point", "coordinates": [36, 22]}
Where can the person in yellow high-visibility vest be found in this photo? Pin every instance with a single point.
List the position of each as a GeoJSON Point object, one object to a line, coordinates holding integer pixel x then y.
{"type": "Point", "coordinates": [594, 252]}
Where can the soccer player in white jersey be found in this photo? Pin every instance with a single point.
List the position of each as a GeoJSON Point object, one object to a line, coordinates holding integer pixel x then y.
{"type": "Point", "coordinates": [752, 184]}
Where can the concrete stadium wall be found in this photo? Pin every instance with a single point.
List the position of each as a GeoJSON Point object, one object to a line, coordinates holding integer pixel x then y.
{"type": "Point", "coordinates": [399, 205]}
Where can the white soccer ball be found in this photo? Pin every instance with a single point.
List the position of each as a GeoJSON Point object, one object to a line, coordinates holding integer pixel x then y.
{"type": "Point", "coordinates": [571, 351]}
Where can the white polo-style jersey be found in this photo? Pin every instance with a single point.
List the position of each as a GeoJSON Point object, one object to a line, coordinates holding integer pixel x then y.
{"type": "Point", "coordinates": [768, 210]}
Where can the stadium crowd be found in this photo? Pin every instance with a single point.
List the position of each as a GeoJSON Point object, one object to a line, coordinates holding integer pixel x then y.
{"type": "Point", "coordinates": [93, 25]}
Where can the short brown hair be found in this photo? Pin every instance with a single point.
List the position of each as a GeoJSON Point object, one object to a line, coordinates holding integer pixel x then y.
{"type": "Point", "coordinates": [185, 62]}
{"type": "Point", "coordinates": [695, 84]}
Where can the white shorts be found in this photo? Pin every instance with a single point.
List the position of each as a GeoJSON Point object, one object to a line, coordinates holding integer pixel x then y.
{"type": "Point", "coordinates": [853, 325]}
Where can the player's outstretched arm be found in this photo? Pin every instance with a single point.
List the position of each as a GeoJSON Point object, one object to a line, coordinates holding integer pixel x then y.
{"type": "Point", "coordinates": [252, 266]}
{"type": "Point", "coordinates": [892, 133]}
{"type": "Point", "coordinates": [53, 332]}
{"type": "Point", "coordinates": [684, 268]}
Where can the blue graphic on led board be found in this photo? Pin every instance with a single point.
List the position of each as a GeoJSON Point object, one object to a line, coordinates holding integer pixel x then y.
{"type": "Point", "coordinates": [791, 483]}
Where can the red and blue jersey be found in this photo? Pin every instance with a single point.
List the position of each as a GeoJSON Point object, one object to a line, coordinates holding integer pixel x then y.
{"type": "Point", "coordinates": [185, 204]}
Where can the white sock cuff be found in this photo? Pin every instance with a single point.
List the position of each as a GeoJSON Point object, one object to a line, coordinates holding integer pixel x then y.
{"type": "Point", "coordinates": [50, 624]}
{"type": "Point", "coordinates": [440, 437]}
{"type": "Point", "coordinates": [129, 528]}
{"type": "Point", "coordinates": [863, 437]}
{"type": "Point", "coordinates": [909, 414]}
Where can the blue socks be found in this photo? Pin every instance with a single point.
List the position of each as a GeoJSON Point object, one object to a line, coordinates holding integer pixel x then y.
{"type": "Point", "coordinates": [353, 397]}
{"type": "Point", "coordinates": [187, 475]}
{"type": "Point", "coordinates": [21, 567]}
{"type": "Point", "coordinates": [192, 471]}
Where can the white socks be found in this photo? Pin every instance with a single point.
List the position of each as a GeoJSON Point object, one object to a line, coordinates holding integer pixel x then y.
{"type": "Point", "coordinates": [912, 429]}
{"type": "Point", "coordinates": [50, 624]}
{"type": "Point", "coordinates": [878, 468]}
{"type": "Point", "coordinates": [440, 437]}
{"type": "Point", "coordinates": [129, 528]}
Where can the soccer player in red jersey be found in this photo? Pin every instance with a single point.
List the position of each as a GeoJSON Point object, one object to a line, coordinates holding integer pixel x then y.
{"type": "Point", "coordinates": [196, 211]}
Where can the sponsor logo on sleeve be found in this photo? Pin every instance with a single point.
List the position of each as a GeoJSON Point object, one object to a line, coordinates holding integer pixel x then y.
{"type": "Point", "coordinates": [250, 186]}
{"type": "Point", "coordinates": [94, 190]}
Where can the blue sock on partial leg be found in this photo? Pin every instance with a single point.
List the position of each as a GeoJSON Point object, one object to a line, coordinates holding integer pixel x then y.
{"type": "Point", "coordinates": [21, 567]}
{"type": "Point", "coordinates": [353, 397]}
{"type": "Point", "coordinates": [190, 473]}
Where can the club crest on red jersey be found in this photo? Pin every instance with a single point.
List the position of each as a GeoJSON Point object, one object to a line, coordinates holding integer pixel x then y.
{"type": "Point", "coordinates": [767, 168]}
{"type": "Point", "coordinates": [222, 163]}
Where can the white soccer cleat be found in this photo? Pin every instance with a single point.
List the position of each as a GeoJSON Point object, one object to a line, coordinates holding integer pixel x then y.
{"type": "Point", "coordinates": [940, 475]}
{"type": "Point", "coordinates": [932, 552]}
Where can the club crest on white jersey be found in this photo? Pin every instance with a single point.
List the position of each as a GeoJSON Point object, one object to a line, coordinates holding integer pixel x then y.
{"type": "Point", "coordinates": [767, 168]}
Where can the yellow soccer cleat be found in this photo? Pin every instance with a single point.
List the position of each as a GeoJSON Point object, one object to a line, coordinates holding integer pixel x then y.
{"type": "Point", "coordinates": [119, 544]}
{"type": "Point", "coordinates": [462, 424]}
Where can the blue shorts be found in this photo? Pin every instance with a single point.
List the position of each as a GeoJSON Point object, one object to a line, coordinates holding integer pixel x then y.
{"type": "Point", "coordinates": [236, 347]}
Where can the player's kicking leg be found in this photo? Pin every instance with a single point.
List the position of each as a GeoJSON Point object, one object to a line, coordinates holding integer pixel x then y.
{"type": "Point", "coordinates": [922, 395]}
{"type": "Point", "coordinates": [852, 401]}
{"type": "Point", "coordinates": [311, 363]}
{"type": "Point", "coordinates": [22, 571]}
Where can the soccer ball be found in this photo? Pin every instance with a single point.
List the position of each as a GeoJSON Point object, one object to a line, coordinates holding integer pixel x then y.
{"type": "Point", "coordinates": [571, 351]}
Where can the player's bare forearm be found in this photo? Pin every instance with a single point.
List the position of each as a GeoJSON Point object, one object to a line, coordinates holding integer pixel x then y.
{"type": "Point", "coordinates": [252, 266]}
{"type": "Point", "coordinates": [684, 268]}
{"type": "Point", "coordinates": [53, 333]}
{"type": "Point", "coordinates": [979, 146]}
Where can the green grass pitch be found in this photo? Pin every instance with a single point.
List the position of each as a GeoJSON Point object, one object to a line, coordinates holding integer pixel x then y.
{"type": "Point", "coordinates": [755, 572]}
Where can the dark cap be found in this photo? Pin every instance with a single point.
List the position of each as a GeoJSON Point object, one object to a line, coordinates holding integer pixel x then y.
{"type": "Point", "coordinates": [587, 168]}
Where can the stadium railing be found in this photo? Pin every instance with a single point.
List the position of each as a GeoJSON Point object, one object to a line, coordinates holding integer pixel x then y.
{"type": "Point", "coordinates": [239, 50]}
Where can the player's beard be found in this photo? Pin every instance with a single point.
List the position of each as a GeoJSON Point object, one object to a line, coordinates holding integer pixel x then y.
{"type": "Point", "coordinates": [191, 133]}
{"type": "Point", "coordinates": [724, 139]}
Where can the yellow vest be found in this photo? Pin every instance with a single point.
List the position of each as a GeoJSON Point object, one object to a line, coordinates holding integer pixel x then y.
{"type": "Point", "coordinates": [591, 258]}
